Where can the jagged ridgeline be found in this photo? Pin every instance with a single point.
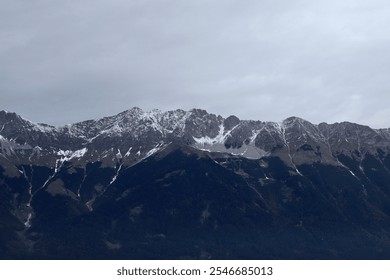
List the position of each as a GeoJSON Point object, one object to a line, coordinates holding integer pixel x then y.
{"type": "Point", "coordinates": [193, 185]}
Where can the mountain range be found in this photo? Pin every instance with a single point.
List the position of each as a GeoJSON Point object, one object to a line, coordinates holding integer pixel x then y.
{"type": "Point", "coordinates": [193, 185]}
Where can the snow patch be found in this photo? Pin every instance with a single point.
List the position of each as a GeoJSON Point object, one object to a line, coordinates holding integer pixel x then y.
{"type": "Point", "coordinates": [282, 129]}
{"type": "Point", "coordinates": [128, 152]}
{"type": "Point", "coordinates": [154, 150]}
{"type": "Point", "coordinates": [220, 138]}
{"type": "Point", "coordinates": [27, 224]}
{"type": "Point", "coordinates": [254, 135]}
{"type": "Point", "coordinates": [43, 128]}
{"type": "Point", "coordinates": [116, 175]}
{"type": "Point", "coordinates": [68, 155]}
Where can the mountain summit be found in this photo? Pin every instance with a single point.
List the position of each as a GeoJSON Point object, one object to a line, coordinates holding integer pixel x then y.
{"type": "Point", "coordinates": [134, 134]}
{"type": "Point", "coordinates": [190, 184]}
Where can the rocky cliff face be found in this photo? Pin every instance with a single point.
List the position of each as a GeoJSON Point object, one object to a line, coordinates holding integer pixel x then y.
{"type": "Point", "coordinates": [160, 177]}
{"type": "Point", "coordinates": [135, 134]}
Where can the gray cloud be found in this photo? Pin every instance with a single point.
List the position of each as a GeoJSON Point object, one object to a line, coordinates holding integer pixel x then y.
{"type": "Point", "coordinates": [65, 61]}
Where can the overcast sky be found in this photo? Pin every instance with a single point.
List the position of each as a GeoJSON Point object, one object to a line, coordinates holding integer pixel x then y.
{"type": "Point", "coordinates": [323, 60]}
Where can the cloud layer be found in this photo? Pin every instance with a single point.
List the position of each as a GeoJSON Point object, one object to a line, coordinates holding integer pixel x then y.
{"type": "Point", "coordinates": [66, 61]}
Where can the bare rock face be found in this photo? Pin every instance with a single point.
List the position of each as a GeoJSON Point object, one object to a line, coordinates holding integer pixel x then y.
{"type": "Point", "coordinates": [230, 122]}
{"type": "Point", "coordinates": [134, 134]}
